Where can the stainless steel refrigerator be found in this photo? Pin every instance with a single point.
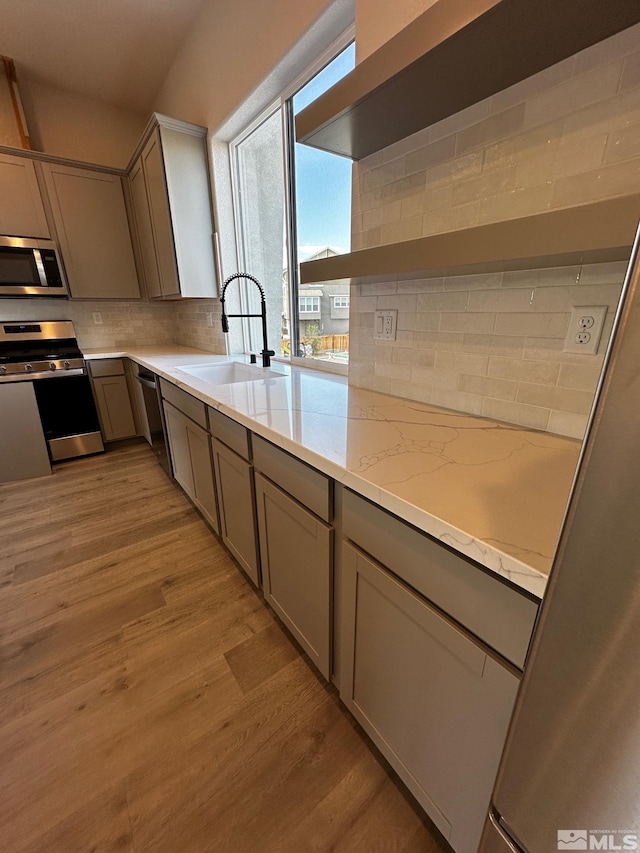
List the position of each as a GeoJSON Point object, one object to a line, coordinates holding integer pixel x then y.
{"type": "Point", "coordinates": [570, 774]}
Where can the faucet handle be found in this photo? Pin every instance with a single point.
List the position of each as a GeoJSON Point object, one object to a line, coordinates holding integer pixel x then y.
{"type": "Point", "coordinates": [252, 358]}
{"type": "Point", "coordinates": [266, 357]}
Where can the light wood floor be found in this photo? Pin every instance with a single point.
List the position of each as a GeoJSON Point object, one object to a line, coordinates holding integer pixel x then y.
{"type": "Point", "coordinates": [150, 701]}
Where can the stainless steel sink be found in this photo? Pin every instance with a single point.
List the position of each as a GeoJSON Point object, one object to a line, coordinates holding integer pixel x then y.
{"type": "Point", "coordinates": [229, 372]}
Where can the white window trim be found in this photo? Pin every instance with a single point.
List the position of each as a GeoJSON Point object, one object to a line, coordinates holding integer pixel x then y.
{"type": "Point", "coordinates": [315, 300]}
{"type": "Point", "coordinates": [324, 58]}
{"type": "Point", "coordinates": [345, 297]}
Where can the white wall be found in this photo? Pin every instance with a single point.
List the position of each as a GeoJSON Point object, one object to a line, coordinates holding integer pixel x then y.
{"type": "Point", "coordinates": [231, 47]}
{"type": "Point", "coordinates": [68, 125]}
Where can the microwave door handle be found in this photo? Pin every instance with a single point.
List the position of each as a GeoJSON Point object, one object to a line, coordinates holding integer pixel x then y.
{"type": "Point", "coordinates": [40, 267]}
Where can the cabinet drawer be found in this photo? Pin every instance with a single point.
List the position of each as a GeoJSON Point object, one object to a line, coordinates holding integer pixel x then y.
{"type": "Point", "coordinates": [107, 367]}
{"type": "Point", "coordinates": [497, 614]}
{"type": "Point", "coordinates": [188, 405]}
{"type": "Point", "coordinates": [307, 485]}
{"type": "Point", "coordinates": [231, 433]}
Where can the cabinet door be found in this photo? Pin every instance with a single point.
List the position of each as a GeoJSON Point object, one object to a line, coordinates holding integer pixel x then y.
{"type": "Point", "coordinates": [179, 447]}
{"type": "Point", "coordinates": [114, 407]}
{"type": "Point", "coordinates": [91, 221]}
{"type": "Point", "coordinates": [148, 257]}
{"type": "Point", "coordinates": [192, 464]}
{"type": "Point", "coordinates": [234, 482]}
{"type": "Point", "coordinates": [21, 209]}
{"type": "Point", "coordinates": [295, 557]}
{"type": "Point", "coordinates": [23, 449]}
{"type": "Point", "coordinates": [432, 700]}
{"type": "Point", "coordinates": [160, 216]}
{"type": "Point", "coordinates": [186, 171]}
{"type": "Point", "coordinates": [204, 492]}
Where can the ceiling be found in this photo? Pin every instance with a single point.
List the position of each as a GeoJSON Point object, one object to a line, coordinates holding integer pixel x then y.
{"type": "Point", "coordinates": [117, 51]}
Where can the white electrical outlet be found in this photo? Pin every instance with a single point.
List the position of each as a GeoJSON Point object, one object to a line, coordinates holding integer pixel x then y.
{"type": "Point", "coordinates": [585, 329]}
{"type": "Point", "coordinates": [384, 325]}
{"type": "Point", "coordinates": [97, 318]}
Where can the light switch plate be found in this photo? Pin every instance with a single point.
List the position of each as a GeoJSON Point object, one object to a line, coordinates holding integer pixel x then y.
{"type": "Point", "coordinates": [585, 329]}
{"type": "Point", "coordinates": [384, 325]}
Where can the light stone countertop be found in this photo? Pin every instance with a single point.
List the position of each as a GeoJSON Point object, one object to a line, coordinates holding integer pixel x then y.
{"type": "Point", "coordinates": [492, 491]}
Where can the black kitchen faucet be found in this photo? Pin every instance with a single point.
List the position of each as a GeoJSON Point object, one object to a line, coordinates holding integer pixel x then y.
{"type": "Point", "coordinates": [266, 352]}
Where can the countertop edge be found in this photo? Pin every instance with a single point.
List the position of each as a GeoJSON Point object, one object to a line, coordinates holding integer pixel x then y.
{"type": "Point", "coordinates": [520, 574]}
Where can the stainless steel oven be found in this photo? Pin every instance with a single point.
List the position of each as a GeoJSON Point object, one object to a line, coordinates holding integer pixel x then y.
{"type": "Point", "coordinates": [47, 355]}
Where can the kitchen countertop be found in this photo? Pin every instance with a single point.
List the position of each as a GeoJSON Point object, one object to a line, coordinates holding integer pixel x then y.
{"type": "Point", "coordinates": [494, 492]}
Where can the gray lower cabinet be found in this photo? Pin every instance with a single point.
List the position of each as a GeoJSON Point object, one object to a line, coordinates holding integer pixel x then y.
{"type": "Point", "coordinates": [111, 390]}
{"type": "Point", "coordinates": [433, 701]}
{"type": "Point", "coordinates": [191, 458]}
{"type": "Point", "coordinates": [23, 449]}
{"type": "Point", "coordinates": [236, 502]}
{"type": "Point", "coordinates": [296, 557]}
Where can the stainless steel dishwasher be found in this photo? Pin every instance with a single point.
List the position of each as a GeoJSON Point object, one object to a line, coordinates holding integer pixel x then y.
{"type": "Point", "coordinates": [154, 427]}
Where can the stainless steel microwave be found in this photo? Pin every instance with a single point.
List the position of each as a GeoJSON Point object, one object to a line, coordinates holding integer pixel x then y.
{"type": "Point", "coordinates": [30, 268]}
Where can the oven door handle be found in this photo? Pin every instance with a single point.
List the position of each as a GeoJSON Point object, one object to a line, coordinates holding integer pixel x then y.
{"type": "Point", "coordinates": [148, 383]}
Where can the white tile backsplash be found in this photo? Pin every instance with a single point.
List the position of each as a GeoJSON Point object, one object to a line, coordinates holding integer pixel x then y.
{"type": "Point", "coordinates": [128, 324]}
{"type": "Point", "coordinates": [492, 344]}
{"type": "Point", "coordinates": [507, 362]}
{"type": "Point", "coordinates": [565, 136]}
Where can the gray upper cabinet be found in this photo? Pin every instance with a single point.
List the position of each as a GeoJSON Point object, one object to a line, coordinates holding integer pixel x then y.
{"type": "Point", "coordinates": [91, 221]}
{"type": "Point", "coordinates": [21, 209]}
{"type": "Point", "coordinates": [169, 182]}
{"type": "Point", "coordinates": [146, 244]}
{"type": "Point", "coordinates": [432, 699]}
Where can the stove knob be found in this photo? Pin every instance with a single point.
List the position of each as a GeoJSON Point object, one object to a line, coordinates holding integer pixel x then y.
{"type": "Point", "coordinates": [28, 368]}
{"type": "Point", "coordinates": [52, 365]}
{"type": "Point", "coordinates": [66, 365]}
{"type": "Point", "coordinates": [3, 369]}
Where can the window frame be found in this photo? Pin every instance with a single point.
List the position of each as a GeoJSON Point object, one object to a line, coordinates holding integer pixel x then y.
{"type": "Point", "coordinates": [345, 296]}
{"type": "Point", "coordinates": [284, 103]}
{"type": "Point", "coordinates": [315, 300]}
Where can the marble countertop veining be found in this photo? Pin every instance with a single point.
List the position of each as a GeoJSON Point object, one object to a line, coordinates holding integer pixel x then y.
{"type": "Point", "coordinates": [492, 491]}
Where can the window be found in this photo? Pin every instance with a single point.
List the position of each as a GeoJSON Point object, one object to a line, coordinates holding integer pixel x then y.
{"type": "Point", "coordinates": [340, 301]}
{"type": "Point", "coordinates": [309, 304]}
{"type": "Point", "coordinates": [292, 203]}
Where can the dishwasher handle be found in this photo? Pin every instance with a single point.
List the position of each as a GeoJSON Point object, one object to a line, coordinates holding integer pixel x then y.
{"type": "Point", "coordinates": [147, 379]}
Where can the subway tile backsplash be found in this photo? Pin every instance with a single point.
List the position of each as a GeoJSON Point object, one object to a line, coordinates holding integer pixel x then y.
{"type": "Point", "coordinates": [124, 324]}
{"type": "Point", "coordinates": [488, 344]}
{"type": "Point", "coordinates": [128, 324]}
{"type": "Point", "coordinates": [492, 344]}
{"type": "Point", "coordinates": [565, 136]}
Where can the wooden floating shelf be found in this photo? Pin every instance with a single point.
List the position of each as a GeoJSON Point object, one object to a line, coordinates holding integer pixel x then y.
{"type": "Point", "coordinates": [452, 56]}
{"type": "Point", "coordinates": [591, 233]}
